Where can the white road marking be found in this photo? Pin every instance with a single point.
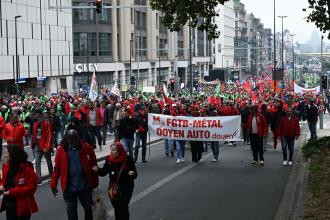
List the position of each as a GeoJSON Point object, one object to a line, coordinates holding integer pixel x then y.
{"type": "Point", "coordinates": [159, 184]}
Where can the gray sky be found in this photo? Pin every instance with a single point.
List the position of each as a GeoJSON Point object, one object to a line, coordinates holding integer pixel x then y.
{"type": "Point", "coordinates": [295, 22]}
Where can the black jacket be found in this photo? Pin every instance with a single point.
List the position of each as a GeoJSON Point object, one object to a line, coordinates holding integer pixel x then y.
{"type": "Point", "coordinates": [127, 127]}
{"type": "Point", "coordinates": [312, 113]}
{"type": "Point", "coordinates": [126, 182]}
{"type": "Point", "coordinates": [142, 121]}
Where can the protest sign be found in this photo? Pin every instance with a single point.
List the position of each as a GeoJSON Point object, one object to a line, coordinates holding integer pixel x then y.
{"type": "Point", "coordinates": [195, 128]}
{"type": "Point", "coordinates": [301, 90]}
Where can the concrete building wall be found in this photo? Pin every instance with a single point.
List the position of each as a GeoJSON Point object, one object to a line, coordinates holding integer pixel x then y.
{"type": "Point", "coordinates": [44, 40]}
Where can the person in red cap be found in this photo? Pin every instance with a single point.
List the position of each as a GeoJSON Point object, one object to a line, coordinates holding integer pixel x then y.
{"type": "Point", "coordinates": [14, 131]}
{"type": "Point", "coordinates": [122, 172]}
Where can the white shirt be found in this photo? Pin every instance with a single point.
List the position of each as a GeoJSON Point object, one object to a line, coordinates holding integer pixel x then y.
{"type": "Point", "coordinates": [254, 125]}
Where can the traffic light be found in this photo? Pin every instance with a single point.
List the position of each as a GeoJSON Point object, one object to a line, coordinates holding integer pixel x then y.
{"type": "Point", "coordinates": [98, 4]}
{"type": "Point", "coordinates": [324, 82]}
{"type": "Point", "coordinates": [132, 80]}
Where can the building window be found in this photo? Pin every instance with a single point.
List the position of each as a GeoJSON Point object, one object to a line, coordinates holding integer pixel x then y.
{"type": "Point", "coordinates": [104, 44]}
{"type": "Point", "coordinates": [63, 83]}
{"type": "Point", "coordinates": [83, 16]}
{"type": "Point", "coordinates": [219, 48]}
{"type": "Point", "coordinates": [84, 44]}
{"type": "Point", "coordinates": [105, 16]}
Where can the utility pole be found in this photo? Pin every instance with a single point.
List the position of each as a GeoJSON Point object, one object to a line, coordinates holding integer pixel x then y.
{"type": "Point", "coordinates": [321, 89]}
{"type": "Point", "coordinates": [282, 51]}
{"type": "Point", "coordinates": [293, 59]}
{"type": "Point", "coordinates": [16, 52]}
{"type": "Point", "coordinates": [274, 70]}
{"type": "Point", "coordinates": [190, 63]}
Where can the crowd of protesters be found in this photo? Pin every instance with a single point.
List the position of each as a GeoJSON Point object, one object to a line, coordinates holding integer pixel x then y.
{"type": "Point", "coordinates": [74, 127]}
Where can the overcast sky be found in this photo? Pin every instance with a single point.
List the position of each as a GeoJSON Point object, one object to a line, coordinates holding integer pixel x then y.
{"type": "Point", "coordinates": [295, 22]}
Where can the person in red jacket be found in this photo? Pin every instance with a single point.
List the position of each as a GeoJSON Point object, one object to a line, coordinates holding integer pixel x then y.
{"type": "Point", "coordinates": [258, 130]}
{"type": "Point", "coordinates": [289, 131]}
{"type": "Point", "coordinates": [2, 126]}
{"type": "Point", "coordinates": [18, 185]}
{"type": "Point", "coordinates": [14, 131]}
{"type": "Point", "coordinates": [74, 161]}
{"type": "Point", "coordinates": [42, 142]}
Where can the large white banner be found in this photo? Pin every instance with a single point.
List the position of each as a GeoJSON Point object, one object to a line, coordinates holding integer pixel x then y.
{"type": "Point", "coordinates": [195, 128]}
{"type": "Point", "coordinates": [301, 90]}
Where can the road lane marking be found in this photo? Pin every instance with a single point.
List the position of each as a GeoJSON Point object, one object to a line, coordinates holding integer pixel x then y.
{"type": "Point", "coordinates": [159, 184]}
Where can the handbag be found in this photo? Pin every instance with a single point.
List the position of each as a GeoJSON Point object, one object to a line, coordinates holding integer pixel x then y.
{"type": "Point", "coordinates": [114, 191]}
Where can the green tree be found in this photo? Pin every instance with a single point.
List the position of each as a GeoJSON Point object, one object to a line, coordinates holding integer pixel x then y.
{"type": "Point", "coordinates": [196, 13]}
{"type": "Point", "coordinates": [319, 13]}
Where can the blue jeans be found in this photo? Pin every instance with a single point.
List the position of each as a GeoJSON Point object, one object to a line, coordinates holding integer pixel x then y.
{"type": "Point", "coordinates": [128, 144]}
{"type": "Point", "coordinates": [168, 146]}
{"type": "Point", "coordinates": [312, 129]}
{"type": "Point", "coordinates": [86, 201]}
{"type": "Point", "coordinates": [180, 149]}
{"type": "Point", "coordinates": [288, 143]}
{"type": "Point", "coordinates": [215, 149]}
{"type": "Point", "coordinates": [138, 138]}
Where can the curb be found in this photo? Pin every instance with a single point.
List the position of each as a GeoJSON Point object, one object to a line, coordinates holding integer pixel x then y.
{"type": "Point", "coordinates": [44, 178]}
{"type": "Point", "coordinates": [291, 205]}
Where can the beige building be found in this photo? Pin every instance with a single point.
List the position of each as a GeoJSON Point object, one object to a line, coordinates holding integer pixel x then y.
{"type": "Point", "coordinates": [132, 46]}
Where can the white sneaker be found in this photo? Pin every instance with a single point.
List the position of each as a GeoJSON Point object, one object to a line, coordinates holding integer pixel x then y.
{"type": "Point", "coordinates": [182, 160]}
{"type": "Point", "coordinates": [178, 161]}
{"type": "Point", "coordinates": [290, 163]}
{"type": "Point", "coordinates": [262, 163]}
{"type": "Point", "coordinates": [285, 163]}
{"type": "Point", "coordinates": [214, 160]}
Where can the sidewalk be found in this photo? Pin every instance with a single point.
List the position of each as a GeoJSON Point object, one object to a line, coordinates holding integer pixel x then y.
{"type": "Point", "coordinates": [100, 155]}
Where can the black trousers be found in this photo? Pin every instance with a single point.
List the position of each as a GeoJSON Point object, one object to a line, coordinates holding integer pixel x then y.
{"type": "Point", "coordinates": [121, 205]}
{"type": "Point", "coordinates": [196, 150]}
{"type": "Point", "coordinates": [86, 200]}
{"type": "Point", "coordinates": [257, 147]}
{"type": "Point", "coordinates": [11, 215]}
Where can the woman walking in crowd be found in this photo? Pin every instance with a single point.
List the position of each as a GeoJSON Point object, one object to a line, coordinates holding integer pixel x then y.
{"type": "Point", "coordinates": [290, 130]}
{"type": "Point", "coordinates": [122, 172]}
{"type": "Point", "coordinates": [258, 130]}
{"type": "Point", "coordinates": [18, 185]}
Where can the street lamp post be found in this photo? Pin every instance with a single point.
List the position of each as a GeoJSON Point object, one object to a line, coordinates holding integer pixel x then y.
{"type": "Point", "coordinates": [274, 69]}
{"type": "Point", "coordinates": [16, 50]}
{"type": "Point", "coordinates": [293, 59]}
{"type": "Point", "coordinates": [190, 62]}
{"type": "Point", "coordinates": [282, 51]}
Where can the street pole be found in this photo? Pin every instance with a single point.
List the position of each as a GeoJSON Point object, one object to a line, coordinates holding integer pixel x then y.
{"type": "Point", "coordinates": [274, 70]}
{"type": "Point", "coordinates": [130, 59]}
{"type": "Point", "coordinates": [321, 89]}
{"type": "Point", "coordinates": [190, 63]}
{"type": "Point", "coordinates": [293, 59]}
{"type": "Point", "coordinates": [16, 50]}
{"type": "Point", "coordinates": [282, 51]}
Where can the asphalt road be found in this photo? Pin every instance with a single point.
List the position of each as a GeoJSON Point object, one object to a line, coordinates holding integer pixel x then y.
{"type": "Point", "coordinates": [228, 190]}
